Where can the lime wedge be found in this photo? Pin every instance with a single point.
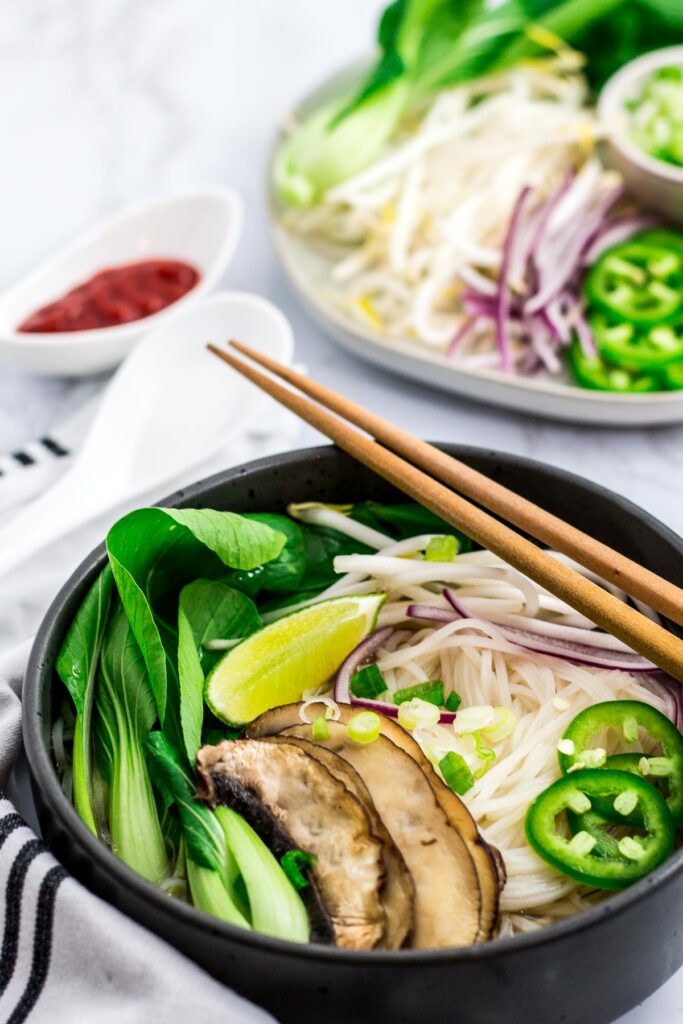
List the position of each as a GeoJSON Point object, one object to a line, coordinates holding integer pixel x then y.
{"type": "Point", "coordinates": [275, 665]}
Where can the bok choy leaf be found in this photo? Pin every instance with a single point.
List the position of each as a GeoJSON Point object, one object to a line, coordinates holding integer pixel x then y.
{"type": "Point", "coordinates": [225, 857]}
{"type": "Point", "coordinates": [126, 713]}
{"type": "Point", "coordinates": [77, 665]}
{"type": "Point", "coordinates": [208, 610]}
{"type": "Point", "coordinates": [212, 873]}
{"type": "Point", "coordinates": [155, 551]}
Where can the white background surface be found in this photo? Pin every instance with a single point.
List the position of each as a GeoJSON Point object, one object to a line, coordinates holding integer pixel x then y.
{"type": "Point", "coordinates": [109, 101]}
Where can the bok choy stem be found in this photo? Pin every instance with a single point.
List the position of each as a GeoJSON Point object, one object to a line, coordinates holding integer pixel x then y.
{"type": "Point", "coordinates": [274, 904]}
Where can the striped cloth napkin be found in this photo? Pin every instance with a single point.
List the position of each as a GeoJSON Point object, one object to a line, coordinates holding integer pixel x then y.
{"type": "Point", "coordinates": [67, 957]}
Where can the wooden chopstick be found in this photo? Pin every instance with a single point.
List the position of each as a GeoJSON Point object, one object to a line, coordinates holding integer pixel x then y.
{"type": "Point", "coordinates": [591, 600]}
{"type": "Point", "coordinates": [615, 568]}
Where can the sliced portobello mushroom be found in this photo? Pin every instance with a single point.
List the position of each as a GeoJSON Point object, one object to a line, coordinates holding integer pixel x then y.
{"type": "Point", "coordinates": [487, 859]}
{"type": "Point", "coordinates": [448, 899]}
{"type": "Point", "coordinates": [294, 802]}
{"type": "Point", "coordinates": [398, 894]}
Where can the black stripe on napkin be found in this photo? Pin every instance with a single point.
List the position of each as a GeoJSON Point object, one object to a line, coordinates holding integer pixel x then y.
{"type": "Point", "coordinates": [8, 825]}
{"type": "Point", "coordinates": [54, 447]}
{"type": "Point", "coordinates": [42, 945]}
{"type": "Point", "coordinates": [13, 896]}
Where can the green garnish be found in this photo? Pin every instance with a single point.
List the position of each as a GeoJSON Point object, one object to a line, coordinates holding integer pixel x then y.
{"type": "Point", "coordinates": [431, 691]}
{"type": "Point", "coordinates": [453, 701]}
{"type": "Point", "coordinates": [441, 549]}
{"type": "Point", "coordinates": [456, 773]}
{"type": "Point", "coordinates": [364, 727]}
{"type": "Point", "coordinates": [320, 730]}
{"type": "Point", "coordinates": [294, 862]}
{"type": "Point", "coordinates": [368, 682]}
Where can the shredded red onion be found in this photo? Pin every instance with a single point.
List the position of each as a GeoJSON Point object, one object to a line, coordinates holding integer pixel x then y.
{"type": "Point", "coordinates": [359, 656]}
{"type": "Point", "coordinates": [671, 693]}
{"type": "Point", "coordinates": [537, 298]}
{"type": "Point", "coordinates": [431, 613]}
{"type": "Point", "coordinates": [465, 328]}
{"type": "Point", "coordinates": [503, 296]}
{"type": "Point", "coordinates": [570, 650]}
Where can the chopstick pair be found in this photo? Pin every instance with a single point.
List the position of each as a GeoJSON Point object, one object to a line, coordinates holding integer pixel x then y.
{"type": "Point", "coordinates": [590, 599]}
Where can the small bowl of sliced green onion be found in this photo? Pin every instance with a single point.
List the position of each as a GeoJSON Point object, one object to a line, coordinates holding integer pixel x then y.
{"type": "Point", "coordinates": [641, 109]}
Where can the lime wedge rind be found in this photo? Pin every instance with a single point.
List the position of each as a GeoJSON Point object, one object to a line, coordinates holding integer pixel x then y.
{"type": "Point", "coordinates": [295, 653]}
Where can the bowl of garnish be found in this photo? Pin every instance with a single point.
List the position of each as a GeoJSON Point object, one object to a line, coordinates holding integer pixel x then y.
{"type": "Point", "coordinates": [642, 109]}
{"type": "Point", "coordinates": [356, 766]}
{"type": "Point", "coordinates": [83, 309]}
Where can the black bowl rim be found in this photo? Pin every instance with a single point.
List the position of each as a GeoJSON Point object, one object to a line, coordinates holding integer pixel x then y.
{"type": "Point", "coordinates": [41, 766]}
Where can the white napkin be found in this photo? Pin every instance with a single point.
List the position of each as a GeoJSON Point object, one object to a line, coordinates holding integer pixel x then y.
{"type": "Point", "coordinates": [66, 955]}
{"type": "Point", "coordinates": [26, 593]}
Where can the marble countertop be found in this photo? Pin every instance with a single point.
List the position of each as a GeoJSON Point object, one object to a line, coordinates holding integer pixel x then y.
{"type": "Point", "coordinates": [114, 101]}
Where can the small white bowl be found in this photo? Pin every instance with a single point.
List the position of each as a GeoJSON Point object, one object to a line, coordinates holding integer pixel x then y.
{"type": "Point", "coordinates": [201, 225]}
{"type": "Point", "coordinates": [656, 184]}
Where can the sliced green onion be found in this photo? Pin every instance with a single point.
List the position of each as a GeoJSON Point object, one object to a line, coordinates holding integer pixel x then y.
{"type": "Point", "coordinates": [474, 718]}
{"type": "Point", "coordinates": [320, 729]}
{"type": "Point", "coordinates": [431, 691]}
{"type": "Point", "coordinates": [293, 863]}
{"type": "Point", "coordinates": [364, 727]}
{"type": "Point", "coordinates": [367, 682]}
{"type": "Point", "coordinates": [456, 773]}
{"type": "Point", "coordinates": [416, 713]}
{"type": "Point", "coordinates": [453, 701]}
{"type": "Point", "coordinates": [442, 549]}
{"type": "Point", "coordinates": [502, 726]}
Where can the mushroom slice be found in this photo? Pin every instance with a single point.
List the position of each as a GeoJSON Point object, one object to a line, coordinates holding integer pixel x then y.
{"type": "Point", "coordinates": [447, 898]}
{"type": "Point", "coordinates": [293, 801]}
{"type": "Point", "coordinates": [487, 860]}
{"type": "Point", "coordinates": [398, 895]}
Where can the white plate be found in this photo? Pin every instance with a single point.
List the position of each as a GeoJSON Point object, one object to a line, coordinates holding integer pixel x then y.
{"type": "Point", "coordinates": [308, 271]}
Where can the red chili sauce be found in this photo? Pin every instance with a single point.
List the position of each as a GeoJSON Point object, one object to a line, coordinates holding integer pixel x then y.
{"type": "Point", "coordinates": [114, 296]}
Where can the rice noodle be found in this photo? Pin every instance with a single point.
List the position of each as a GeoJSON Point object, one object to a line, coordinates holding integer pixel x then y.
{"type": "Point", "coordinates": [543, 694]}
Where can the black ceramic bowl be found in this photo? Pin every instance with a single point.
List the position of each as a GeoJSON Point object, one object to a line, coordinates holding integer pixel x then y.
{"type": "Point", "coordinates": [586, 970]}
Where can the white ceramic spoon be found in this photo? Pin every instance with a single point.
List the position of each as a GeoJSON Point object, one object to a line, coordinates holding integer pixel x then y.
{"type": "Point", "coordinates": [201, 225]}
{"type": "Point", "coordinates": [170, 406]}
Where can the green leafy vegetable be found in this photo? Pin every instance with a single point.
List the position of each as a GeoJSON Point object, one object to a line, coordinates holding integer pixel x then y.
{"type": "Point", "coordinates": [126, 713]}
{"type": "Point", "coordinates": [208, 610]}
{"type": "Point", "coordinates": [155, 550]}
{"type": "Point", "coordinates": [77, 664]}
{"type": "Point", "coordinates": [212, 871]}
{"type": "Point", "coordinates": [426, 45]}
{"type": "Point", "coordinates": [405, 520]}
{"type": "Point", "coordinates": [282, 574]}
{"type": "Point", "coordinates": [274, 904]}
{"type": "Point", "coordinates": [210, 894]}
{"type": "Point", "coordinates": [294, 863]}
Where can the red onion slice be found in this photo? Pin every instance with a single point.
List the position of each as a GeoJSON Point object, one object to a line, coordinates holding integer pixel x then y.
{"type": "Point", "coordinates": [503, 297]}
{"type": "Point", "coordinates": [359, 656]}
{"type": "Point", "coordinates": [568, 649]}
{"type": "Point", "coordinates": [355, 660]}
{"type": "Point", "coordinates": [431, 613]}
